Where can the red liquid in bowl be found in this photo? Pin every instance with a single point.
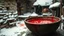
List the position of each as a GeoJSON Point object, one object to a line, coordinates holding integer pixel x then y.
{"type": "Point", "coordinates": [42, 20]}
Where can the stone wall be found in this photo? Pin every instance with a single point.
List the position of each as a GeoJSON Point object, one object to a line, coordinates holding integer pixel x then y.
{"type": "Point", "coordinates": [25, 6]}
{"type": "Point", "coordinates": [7, 3]}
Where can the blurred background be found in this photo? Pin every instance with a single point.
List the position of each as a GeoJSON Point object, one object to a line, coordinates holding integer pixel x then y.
{"type": "Point", "coordinates": [13, 12]}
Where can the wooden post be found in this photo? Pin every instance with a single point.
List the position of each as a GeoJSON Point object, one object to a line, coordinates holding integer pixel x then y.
{"type": "Point", "coordinates": [63, 11]}
{"type": "Point", "coordinates": [18, 7]}
{"type": "Point", "coordinates": [63, 8]}
{"type": "Point", "coordinates": [61, 26]}
{"type": "Point", "coordinates": [60, 7]}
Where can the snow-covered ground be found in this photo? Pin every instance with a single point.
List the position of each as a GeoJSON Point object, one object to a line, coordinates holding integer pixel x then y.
{"type": "Point", "coordinates": [14, 31]}
{"type": "Point", "coordinates": [17, 30]}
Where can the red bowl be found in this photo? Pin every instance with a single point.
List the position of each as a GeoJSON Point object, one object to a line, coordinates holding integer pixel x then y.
{"type": "Point", "coordinates": [39, 25]}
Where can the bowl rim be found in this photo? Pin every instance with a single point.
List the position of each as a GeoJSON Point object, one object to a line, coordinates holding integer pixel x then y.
{"type": "Point", "coordinates": [59, 19]}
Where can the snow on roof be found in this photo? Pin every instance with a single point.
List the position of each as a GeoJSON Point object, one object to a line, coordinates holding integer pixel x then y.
{"type": "Point", "coordinates": [54, 5]}
{"type": "Point", "coordinates": [43, 2]}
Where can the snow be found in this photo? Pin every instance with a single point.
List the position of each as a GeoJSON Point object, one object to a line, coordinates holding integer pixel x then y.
{"type": "Point", "coordinates": [54, 5]}
{"type": "Point", "coordinates": [43, 2]}
{"type": "Point", "coordinates": [14, 31]}
{"type": "Point", "coordinates": [34, 14]}
{"type": "Point", "coordinates": [46, 3]}
{"type": "Point", "coordinates": [48, 14]}
{"type": "Point", "coordinates": [11, 18]}
{"type": "Point", "coordinates": [36, 3]}
{"type": "Point", "coordinates": [62, 17]}
{"type": "Point", "coordinates": [1, 20]}
{"type": "Point", "coordinates": [30, 14]}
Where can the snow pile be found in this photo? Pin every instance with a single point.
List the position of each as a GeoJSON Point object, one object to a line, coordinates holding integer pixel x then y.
{"type": "Point", "coordinates": [14, 31]}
